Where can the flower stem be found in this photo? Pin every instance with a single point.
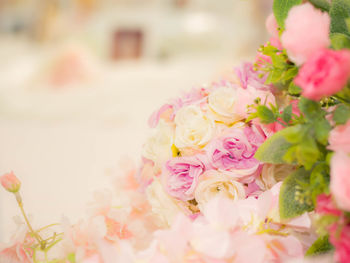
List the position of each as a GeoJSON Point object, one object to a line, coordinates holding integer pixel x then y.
{"type": "Point", "coordinates": [20, 204]}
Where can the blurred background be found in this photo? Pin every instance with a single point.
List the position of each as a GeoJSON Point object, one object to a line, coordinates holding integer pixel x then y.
{"type": "Point", "coordinates": [79, 79]}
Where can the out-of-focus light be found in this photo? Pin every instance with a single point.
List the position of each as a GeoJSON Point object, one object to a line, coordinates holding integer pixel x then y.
{"type": "Point", "coordinates": [198, 23]}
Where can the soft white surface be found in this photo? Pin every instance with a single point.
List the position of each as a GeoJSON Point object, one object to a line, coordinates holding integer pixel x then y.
{"type": "Point", "coordinates": [63, 144]}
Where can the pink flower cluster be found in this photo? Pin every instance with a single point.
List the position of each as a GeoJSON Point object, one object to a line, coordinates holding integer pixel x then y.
{"type": "Point", "coordinates": [323, 71]}
{"type": "Point", "coordinates": [210, 135]}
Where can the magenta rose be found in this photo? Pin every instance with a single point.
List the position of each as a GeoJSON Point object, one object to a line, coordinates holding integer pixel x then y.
{"type": "Point", "coordinates": [180, 176]}
{"type": "Point", "coordinates": [324, 74]}
{"type": "Point", "coordinates": [340, 239]}
{"type": "Point", "coordinates": [234, 152]}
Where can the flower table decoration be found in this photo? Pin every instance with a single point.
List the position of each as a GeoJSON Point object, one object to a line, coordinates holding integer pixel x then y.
{"type": "Point", "coordinates": [252, 168]}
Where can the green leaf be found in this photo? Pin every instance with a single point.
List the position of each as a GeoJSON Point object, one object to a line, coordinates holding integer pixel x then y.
{"type": "Point", "coordinates": [281, 9]}
{"type": "Point", "coordinates": [339, 12]}
{"type": "Point", "coordinates": [287, 114]}
{"type": "Point", "coordinates": [265, 114]}
{"type": "Point", "coordinates": [294, 89]}
{"type": "Point", "coordinates": [290, 73]}
{"type": "Point", "coordinates": [319, 180]}
{"type": "Point", "coordinates": [340, 41]}
{"type": "Point", "coordinates": [71, 258]}
{"type": "Point", "coordinates": [311, 109]}
{"type": "Point", "coordinates": [341, 114]}
{"type": "Point", "coordinates": [274, 148]}
{"type": "Point", "coordinates": [294, 199]}
{"type": "Point", "coordinates": [321, 4]}
{"type": "Point", "coordinates": [322, 129]}
{"type": "Point", "coordinates": [320, 246]}
{"type": "Point", "coordinates": [308, 152]}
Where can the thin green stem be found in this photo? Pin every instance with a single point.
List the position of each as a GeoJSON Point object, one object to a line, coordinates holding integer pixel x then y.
{"type": "Point", "coordinates": [20, 204]}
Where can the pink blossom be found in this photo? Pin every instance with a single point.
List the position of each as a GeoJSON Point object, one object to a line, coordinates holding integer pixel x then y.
{"type": "Point", "coordinates": [235, 151]}
{"type": "Point", "coordinates": [326, 206]}
{"type": "Point", "coordinates": [325, 73]}
{"type": "Point", "coordinates": [306, 31]}
{"type": "Point", "coordinates": [250, 77]}
{"type": "Point", "coordinates": [181, 176]}
{"type": "Point", "coordinates": [271, 25]}
{"type": "Point", "coordinates": [340, 180]}
{"type": "Point", "coordinates": [10, 182]}
{"type": "Point", "coordinates": [165, 112]}
{"type": "Point", "coordinates": [340, 239]}
{"type": "Point", "coordinates": [339, 138]}
{"type": "Point", "coordinates": [19, 249]}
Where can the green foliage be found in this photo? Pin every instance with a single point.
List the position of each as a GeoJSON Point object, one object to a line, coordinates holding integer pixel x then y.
{"type": "Point", "coordinates": [294, 199]}
{"type": "Point", "coordinates": [287, 114]}
{"type": "Point", "coordinates": [71, 258]}
{"type": "Point", "coordinates": [274, 148]}
{"type": "Point", "coordinates": [339, 12]}
{"type": "Point", "coordinates": [322, 129]}
{"type": "Point", "coordinates": [315, 115]}
{"type": "Point", "coordinates": [265, 114]}
{"type": "Point", "coordinates": [281, 9]}
{"type": "Point", "coordinates": [311, 109]}
{"type": "Point", "coordinates": [293, 89]}
{"type": "Point", "coordinates": [341, 114]}
{"type": "Point", "coordinates": [321, 4]}
{"type": "Point", "coordinates": [340, 41]}
{"type": "Point", "coordinates": [319, 180]}
{"type": "Point", "coordinates": [320, 246]}
{"type": "Point", "coordinates": [280, 71]}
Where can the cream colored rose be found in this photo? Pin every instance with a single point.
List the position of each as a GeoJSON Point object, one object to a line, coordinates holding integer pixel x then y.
{"type": "Point", "coordinates": [193, 128]}
{"type": "Point", "coordinates": [214, 184]}
{"type": "Point", "coordinates": [222, 104]}
{"type": "Point", "coordinates": [158, 147]}
{"type": "Point", "coordinates": [165, 207]}
{"type": "Point", "coordinates": [272, 174]}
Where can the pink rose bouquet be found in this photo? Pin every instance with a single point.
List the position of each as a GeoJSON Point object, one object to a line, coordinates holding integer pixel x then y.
{"type": "Point", "coordinates": [254, 167]}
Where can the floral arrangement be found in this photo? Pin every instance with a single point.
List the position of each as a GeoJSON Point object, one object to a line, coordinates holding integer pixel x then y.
{"type": "Point", "coordinates": [252, 168]}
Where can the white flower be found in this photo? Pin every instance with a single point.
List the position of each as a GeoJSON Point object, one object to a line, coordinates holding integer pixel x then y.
{"type": "Point", "coordinates": [193, 128]}
{"type": "Point", "coordinates": [158, 147]}
{"type": "Point", "coordinates": [162, 204]}
{"type": "Point", "coordinates": [272, 174]}
{"type": "Point", "coordinates": [222, 104]}
{"type": "Point", "coordinates": [216, 184]}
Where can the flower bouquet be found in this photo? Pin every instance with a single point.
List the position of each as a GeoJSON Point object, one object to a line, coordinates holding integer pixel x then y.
{"type": "Point", "coordinates": [251, 168]}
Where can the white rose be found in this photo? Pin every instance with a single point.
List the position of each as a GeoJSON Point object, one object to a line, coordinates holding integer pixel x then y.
{"type": "Point", "coordinates": [162, 204]}
{"type": "Point", "coordinates": [272, 174]}
{"type": "Point", "coordinates": [158, 147]}
{"type": "Point", "coordinates": [216, 184]}
{"type": "Point", "coordinates": [193, 128]}
{"type": "Point", "coordinates": [222, 105]}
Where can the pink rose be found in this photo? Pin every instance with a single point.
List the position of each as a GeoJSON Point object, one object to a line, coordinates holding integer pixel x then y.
{"type": "Point", "coordinates": [341, 242]}
{"type": "Point", "coordinates": [339, 138]}
{"type": "Point", "coordinates": [168, 110]}
{"type": "Point", "coordinates": [234, 152]}
{"type": "Point", "coordinates": [340, 179]}
{"type": "Point", "coordinates": [326, 206]}
{"type": "Point", "coordinates": [324, 74]}
{"type": "Point", "coordinates": [10, 182]}
{"type": "Point", "coordinates": [306, 31]}
{"type": "Point", "coordinates": [181, 174]}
